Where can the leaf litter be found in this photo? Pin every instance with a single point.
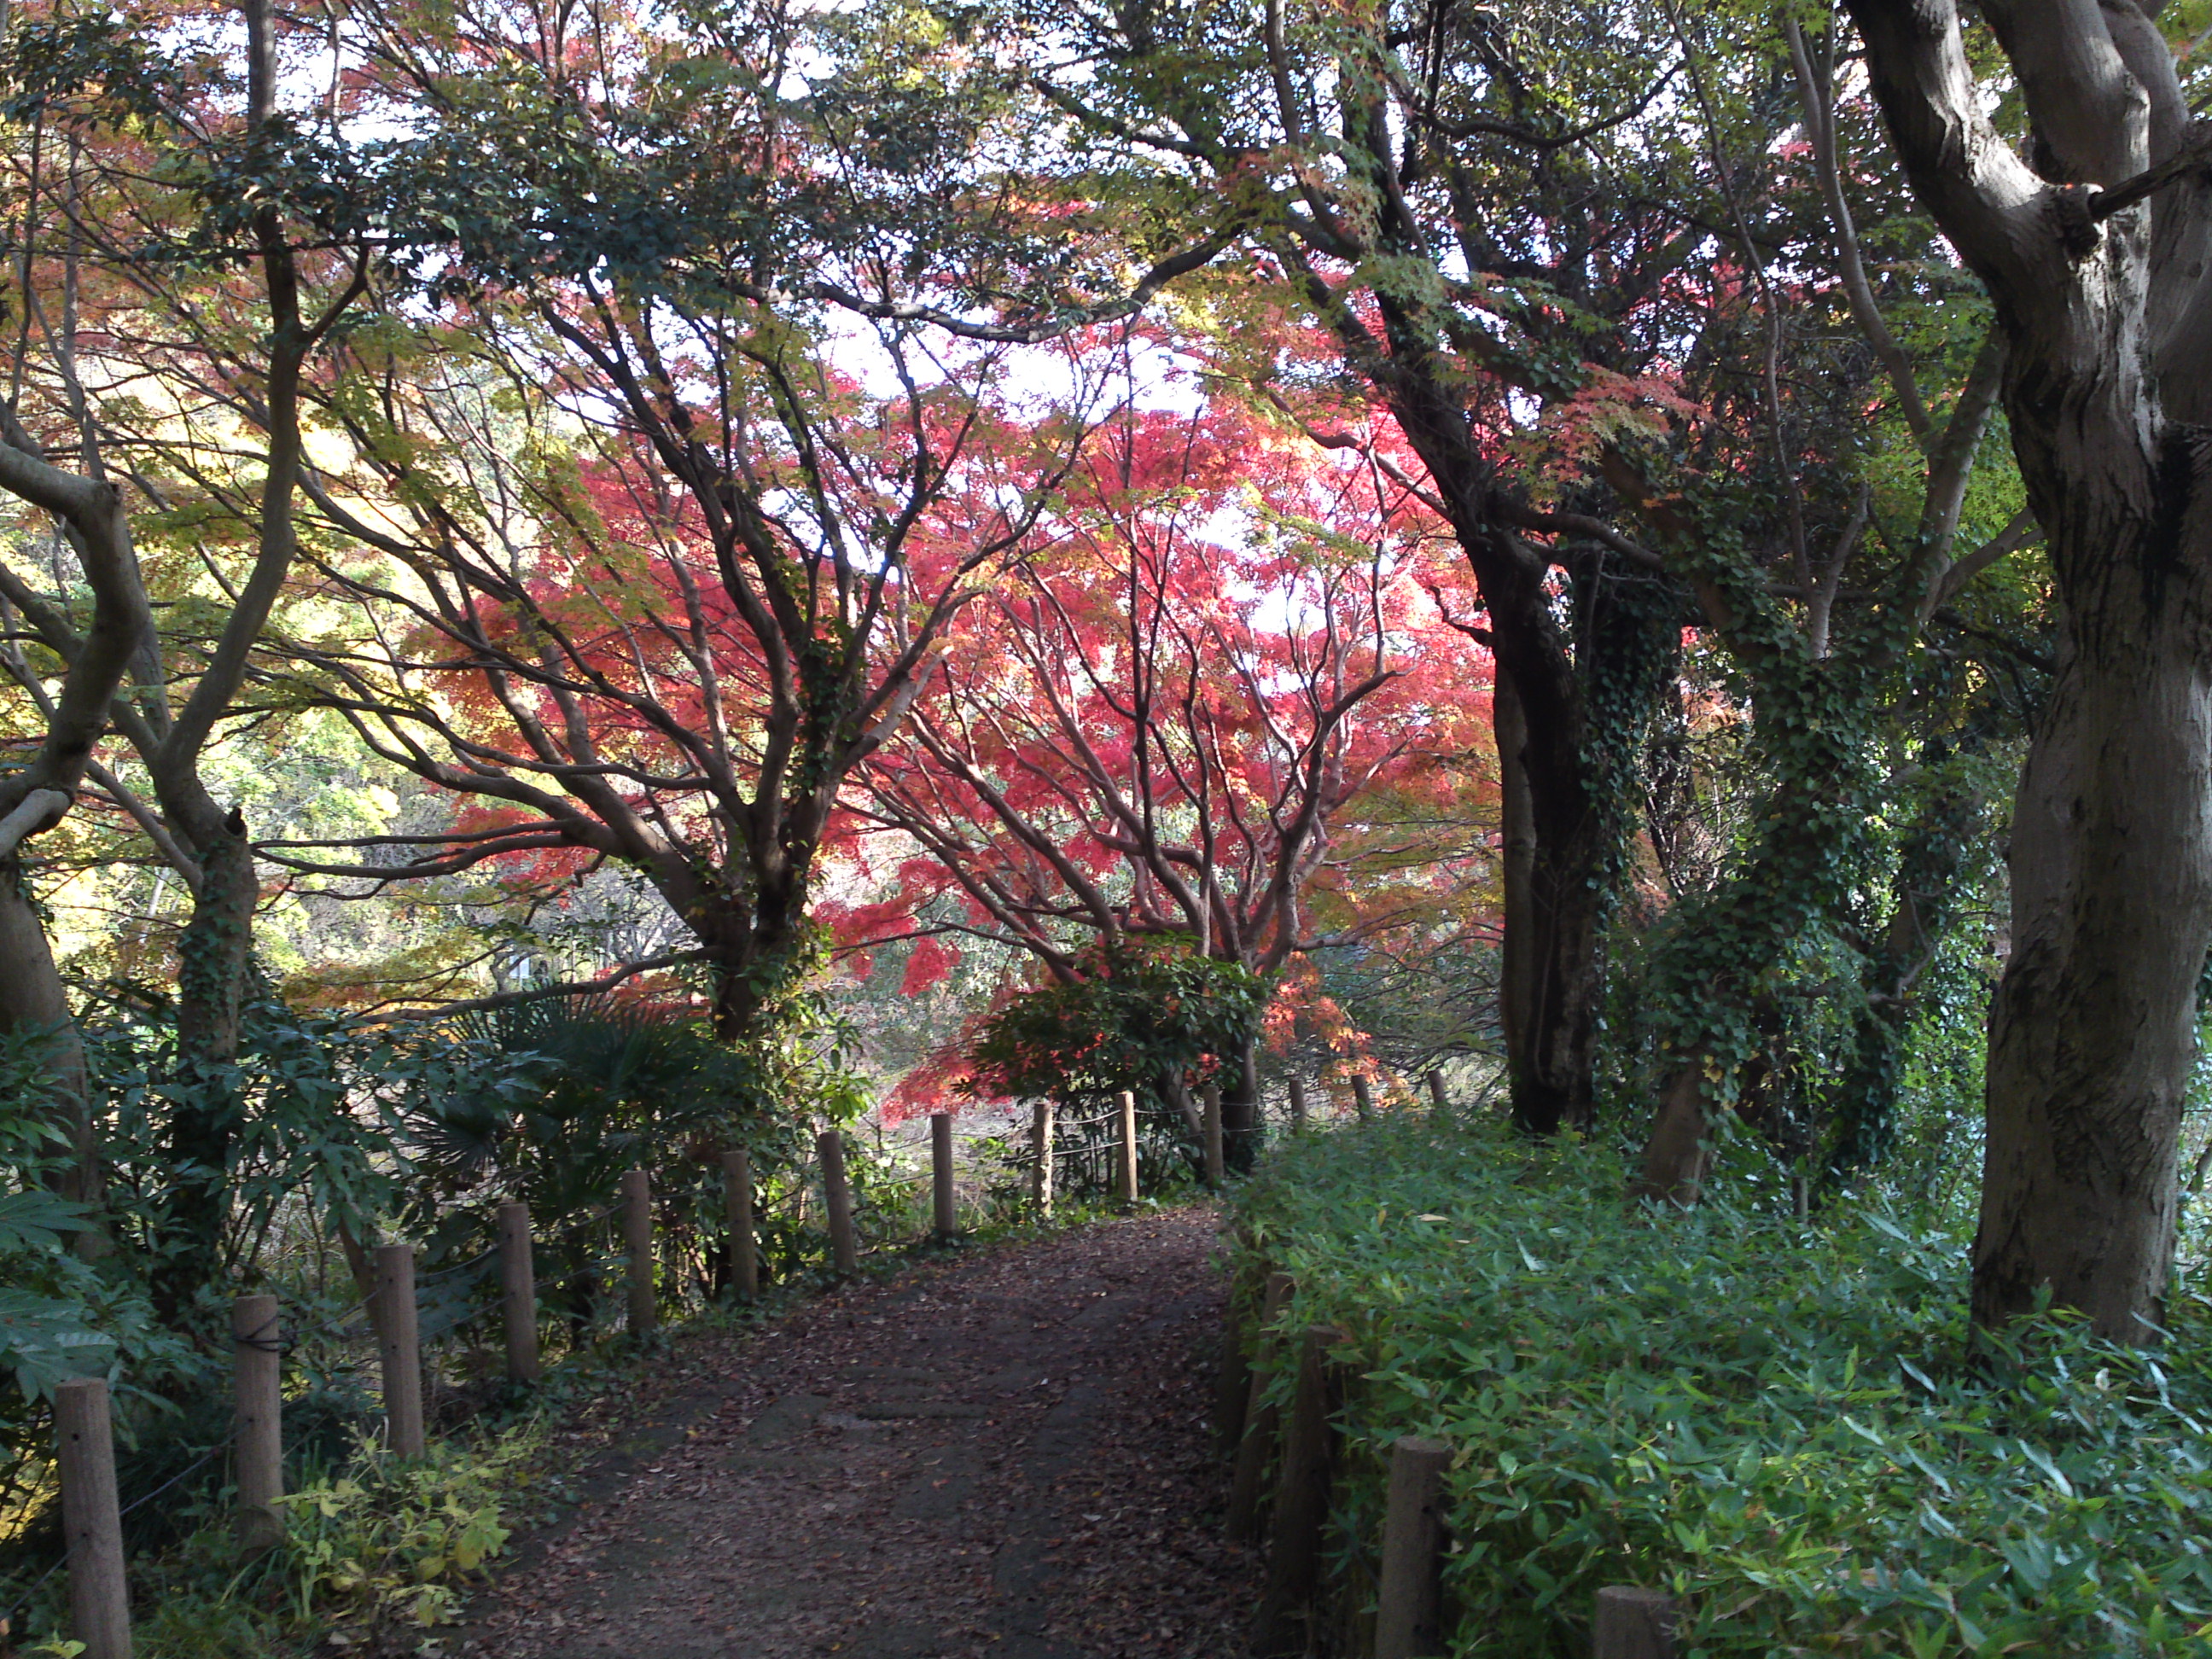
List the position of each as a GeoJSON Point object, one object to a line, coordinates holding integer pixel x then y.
{"type": "Point", "coordinates": [1003, 1451]}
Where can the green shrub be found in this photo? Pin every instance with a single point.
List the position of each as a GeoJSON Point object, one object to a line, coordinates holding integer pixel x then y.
{"type": "Point", "coordinates": [1150, 1016]}
{"type": "Point", "coordinates": [1785, 1424]}
{"type": "Point", "coordinates": [386, 1541]}
{"type": "Point", "coordinates": [377, 1552]}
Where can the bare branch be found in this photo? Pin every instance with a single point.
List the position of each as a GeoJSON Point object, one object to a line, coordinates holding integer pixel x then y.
{"type": "Point", "coordinates": [584, 988]}
{"type": "Point", "coordinates": [1818, 98]}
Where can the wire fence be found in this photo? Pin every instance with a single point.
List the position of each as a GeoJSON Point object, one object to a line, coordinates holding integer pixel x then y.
{"type": "Point", "coordinates": [174, 1481]}
{"type": "Point", "coordinates": [581, 1280]}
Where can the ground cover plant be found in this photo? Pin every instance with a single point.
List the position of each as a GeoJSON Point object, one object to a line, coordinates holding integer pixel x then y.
{"type": "Point", "coordinates": [1788, 1424]}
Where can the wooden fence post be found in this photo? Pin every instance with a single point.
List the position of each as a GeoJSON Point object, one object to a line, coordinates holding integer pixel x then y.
{"type": "Point", "coordinates": [1632, 1623]}
{"type": "Point", "coordinates": [1128, 1160]}
{"type": "Point", "coordinates": [1041, 1155]}
{"type": "Point", "coordinates": [737, 1219]}
{"type": "Point", "coordinates": [1409, 1590]}
{"type": "Point", "coordinates": [1436, 1096]}
{"type": "Point", "coordinates": [518, 1293]}
{"type": "Point", "coordinates": [92, 1519]}
{"type": "Point", "coordinates": [637, 1248]}
{"type": "Point", "coordinates": [1362, 1098]}
{"type": "Point", "coordinates": [1294, 1535]}
{"type": "Point", "coordinates": [1297, 1105]}
{"type": "Point", "coordinates": [1217, 1168]}
{"type": "Point", "coordinates": [1258, 1443]}
{"type": "Point", "coordinates": [257, 1445]}
{"type": "Point", "coordinates": [400, 1349]}
{"type": "Point", "coordinates": [944, 1199]}
{"type": "Point", "coordinates": [837, 1199]}
{"type": "Point", "coordinates": [1233, 1386]}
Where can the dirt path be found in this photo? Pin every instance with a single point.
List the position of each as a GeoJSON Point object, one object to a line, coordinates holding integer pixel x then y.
{"type": "Point", "coordinates": [1004, 1455]}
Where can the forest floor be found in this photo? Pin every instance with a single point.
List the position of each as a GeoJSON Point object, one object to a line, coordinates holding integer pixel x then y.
{"type": "Point", "coordinates": [1004, 1450]}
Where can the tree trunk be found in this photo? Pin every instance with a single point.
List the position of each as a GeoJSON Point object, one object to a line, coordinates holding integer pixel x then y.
{"type": "Point", "coordinates": [1240, 1112]}
{"type": "Point", "coordinates": [2093, 1032]}
{"type": "Point", "coordinates": [1569, 899]}
{"type": "Point", "coordinates": [2108, 390]}
{"type": "Point", "coordinates": [1679, 1153]}
{"type": "Point", "coordinates": [1177, 1093]}
{"type": "Point", "coordinates": [758, 949]}
{"type": "Point", "coordinates": [1933, 874]}
{"type": "Point", "coordinates": [1558, 892]}
{"type": "Point", "coordinates": [1558, 887]}
{"type": "Point", "coordinates": [1539, 682]}
{"type": "Point", "coordinates": [34, 1005]}
{"type": "Point", "coordinates": [217, 948]}
{"type": "Point", "coordinates": [737, 997]}
{"type": "Point", "coordinates": [1710, 988]}
{"type": "Point", "coordinates": [1551, 970]}
{"type": "Point", "coordinates": [2092, 1037]}
{"type": "Point", "coordinates": [1517, 956]}
{"type": "Point", "coordinates": [215, 959]}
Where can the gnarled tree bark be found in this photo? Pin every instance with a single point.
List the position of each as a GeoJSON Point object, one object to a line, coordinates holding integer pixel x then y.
{"type": "Point", "coordinates": [33, 999]}
{"type": "Point", "coordinates": [2093, 254]}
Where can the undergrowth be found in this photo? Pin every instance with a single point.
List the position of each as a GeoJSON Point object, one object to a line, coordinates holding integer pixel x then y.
{"type": "Point", "coordinates": [377, 1553]}
{"type": "Point", "coordinates": [1787, 1424]}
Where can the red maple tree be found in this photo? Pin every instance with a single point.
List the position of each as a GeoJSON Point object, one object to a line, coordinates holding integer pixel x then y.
{"type": "Point", "coordinates": [1167, 718]}
{"type": "Point", "coordinates": [657, 648]}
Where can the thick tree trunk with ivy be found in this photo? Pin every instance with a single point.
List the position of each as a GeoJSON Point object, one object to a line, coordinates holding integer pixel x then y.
{"type": "Point", "coordinates": [2094, 254]}
{"type": "Point", "coordinates": [215, 961]}
{"type": "Point", "coordinates": [751, 915]}
{"type": "Point", "coordinates": [1564, 815]}
{"type": "Point", "coordinates": [1935, 868]}
{"type": "Point", "coordinates": [1784, 918]}
{"type": "Point", "coordinates": [1784, 913]}
{"type": "Point", "coordinates": [1724, 954]}
{"type": "Point", "coordinates": [756, 945]}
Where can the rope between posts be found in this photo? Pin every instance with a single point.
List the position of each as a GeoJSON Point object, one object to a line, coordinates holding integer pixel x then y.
{"type": "Point", "coordinates": [477, 1263]}
{"type": "Point", "coordinates": [333, 1326]}
{"type": "Point", "coordinates": [476, 1260]}
{"type": "Point", "coordinates": [206, 1457]}
{"type": "Point", "coordinates": [263, 1338]}
{"type": "Point", "coordinates": [794, 1197]}
{"type": "Point", "coordinates": [258, 1338]}
{"type": "Point", "coordinates": [22, 1603]}
{"type": "Point", "coordinates": [1060, 1122]}
{"type": "Point", "coordinates": [23, 1600]}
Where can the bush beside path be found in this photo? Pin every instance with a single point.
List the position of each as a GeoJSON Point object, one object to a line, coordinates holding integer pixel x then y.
{"type": "Point", "coordinates": [1006, 1452]}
